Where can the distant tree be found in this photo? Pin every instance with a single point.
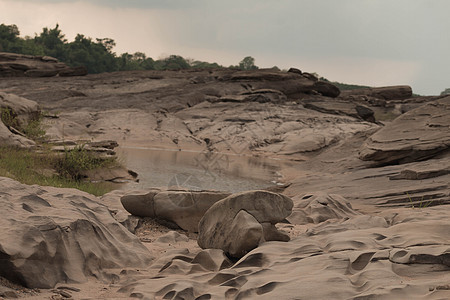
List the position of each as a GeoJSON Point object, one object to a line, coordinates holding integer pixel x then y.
{"type": "Point", "coordinates": [53, 41]}
{"type": "Point", "coordinates": [173, 62]}
{"type": "Point", "coordinates": [8, 36]}
{"type": "Point", "coordinates": [446, 92]}
{"type": "Point", "coordinates": [136, 61]}
{"type": "Point", "coordinates": [96, 56]}
{"type": "Point", "coordinates": [248, 63]}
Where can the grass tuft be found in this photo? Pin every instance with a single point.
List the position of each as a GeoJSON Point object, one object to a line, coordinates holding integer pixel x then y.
{"type": "Point", "coordinates": [422, 203]}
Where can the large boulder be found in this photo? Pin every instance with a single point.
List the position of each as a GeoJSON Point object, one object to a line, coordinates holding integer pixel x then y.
{"type": "Point", "coordinates": [416, 135]}
{"type": "Point", "coordinates": [240, 222]}
{"type": "Point", "coordinates": [183, 208]}
{"type": "Point", "coordinates": [53, 235]}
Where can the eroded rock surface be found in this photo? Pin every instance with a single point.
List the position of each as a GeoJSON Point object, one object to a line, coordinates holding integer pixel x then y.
{"type": "Point", "coordinates": [418, 134]}
{"type": "Point", "coordinates": [319, 207]}
{"type": "Point", "coordinates": [240, 222]}
{"type": "Point", "coordinates": [183, 208]}
{"type": "Point", "coordinates": [50, 235]}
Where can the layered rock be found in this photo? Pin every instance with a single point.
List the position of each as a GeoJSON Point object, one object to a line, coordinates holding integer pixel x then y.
{"type": "Point", "coordinates": [340, 107]}
{"type": "Point", "coordinates": [240, 222]}
{"type": "Point", "coordinates": [386, 93]}
{"type": "Point", "coordinates": [17, 65]}
{"type": "Point", "coordinates": [51, 235]}
{"type": "Point", "coordinates": [416, 135]}
{"type": "Point", "coordinates": [182, 208]}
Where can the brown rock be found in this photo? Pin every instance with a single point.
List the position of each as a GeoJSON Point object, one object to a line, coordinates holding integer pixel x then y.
{"type": "Point", "coordinates": [51, 235]}
{"type": "Point", "coordinates": [184, 208]}
{"type": "Point", "coordinates": [235, 224]}
{"type": "Point", "coordinates": [387, 93]}
{"type": "Point", "coordinates": [418, 134]}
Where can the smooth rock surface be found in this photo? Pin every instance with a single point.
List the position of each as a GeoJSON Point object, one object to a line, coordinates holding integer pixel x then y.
{"type": "Point", "coordinates": [183, 208]}
{"type": "Point", "coordinates": [234, 224]}
{"type": "Point", "coordinates": [51, 235]}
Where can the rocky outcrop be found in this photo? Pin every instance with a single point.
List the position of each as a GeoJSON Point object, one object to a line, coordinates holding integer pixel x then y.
{"type": "Point", "coordinates": [17, 65]}
{"type": "Point", "coordinates": [182, 208]}
{"type": "Point", "coordinates": [16, 112]}
{"type": "Point", "coordinates": [416, 135]}
{"type": "Point", "coordinates": [240, 222]}
{"type": "Point", "coordinates": [21, 109]}
{"type": "Point", "coordinates": [51, 235]}
{"type": "Point", "coordinates": [319, 207]}
{"type": "Point", "coordinates": [386, 93]}
{"type": "Point", "coordinates": [292, 84]}
{"type": "Point", "coordinates": [340, 107]}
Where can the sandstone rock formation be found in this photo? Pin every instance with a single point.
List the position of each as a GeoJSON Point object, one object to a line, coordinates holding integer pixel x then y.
{"type": "Point", "coordinates": [402, 253]}
{"type": "Point", "coordinates": [240, 222]}
{"type": "Point", "coordinates": [320, 207]}
{"type": "Point", "coordinates": [50, 235]}
{"type": "Point", "coordinates": [386, 93]}
{"type": "Point", "coordinates": [17, 65]}
{"type": "Point", "coordinates": [182, 208]}
{"type": "Point", "coordinates": [418, 134]}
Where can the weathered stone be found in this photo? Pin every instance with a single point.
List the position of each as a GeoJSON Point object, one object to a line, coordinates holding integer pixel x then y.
{"type": "Point", "coordinates": [418, 134]}
{"type": "Point", "coordinates": [51, 235]}
{"type": "Point", "coordinates": [236, 224]}
{"type": "Point", "coordinates": [16, 65]}
{"type": "Point", "coordinates": [319, 207]}
{"type": "Point", "coordinates": [22, 109]}
{"type": "Point", "coordinates": [75, 71]}
{"type": "Point", "coordinates": [326, 89]}
{"type": "Point", "coordinates": [387, 93]}
{"type": "Point", "coordinates": [184, 208]}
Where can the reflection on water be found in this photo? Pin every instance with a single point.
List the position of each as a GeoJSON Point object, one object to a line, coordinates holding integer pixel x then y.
{"type": "Point", "coordinates": [198, 171]}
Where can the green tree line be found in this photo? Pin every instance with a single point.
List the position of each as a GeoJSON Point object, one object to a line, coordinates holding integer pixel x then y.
{"type": "Point", "coordinates": [95, 54]}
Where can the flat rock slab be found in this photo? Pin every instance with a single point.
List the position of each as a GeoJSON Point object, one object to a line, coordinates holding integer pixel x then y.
{"type": "Point", "coordinates": [416, 135]}
{"type": "Point", "coordinates": [53, 235]}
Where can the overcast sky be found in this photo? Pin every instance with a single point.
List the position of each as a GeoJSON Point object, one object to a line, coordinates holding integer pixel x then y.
{"type": "Point", "coordinates": [371, 42]}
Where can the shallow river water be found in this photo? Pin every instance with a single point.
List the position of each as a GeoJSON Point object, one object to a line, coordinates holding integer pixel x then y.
{"type": "Point", "coordinates": [199, 170]}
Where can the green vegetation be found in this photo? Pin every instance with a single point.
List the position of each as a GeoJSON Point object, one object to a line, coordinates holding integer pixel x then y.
{"type": "Point", "coordinates": [445, 92]}
{"type": "Point", "coordinates": [74, 161]}
{"type": "Point", "coordinates": [95, 54]}
{"type": "Point", "coordinates": [422, 202]}
{"type": "Point", "coordinates": [32, 167]}
{"type": "Point", "coordinates": [44, 166]}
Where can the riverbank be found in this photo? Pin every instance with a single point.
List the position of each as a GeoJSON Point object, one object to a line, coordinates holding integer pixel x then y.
{"type": "Point", "coordinates": [370, 198]}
